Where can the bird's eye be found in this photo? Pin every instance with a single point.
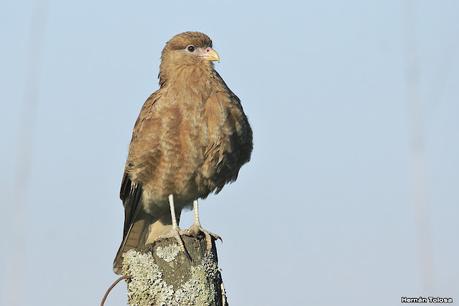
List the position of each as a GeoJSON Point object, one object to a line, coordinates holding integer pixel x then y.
{"type": "Point", "coordinates": [190, 48]}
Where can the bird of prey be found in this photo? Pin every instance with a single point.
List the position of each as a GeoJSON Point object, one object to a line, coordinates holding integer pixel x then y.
{"type": "Point", "coordinates": [190, 139]}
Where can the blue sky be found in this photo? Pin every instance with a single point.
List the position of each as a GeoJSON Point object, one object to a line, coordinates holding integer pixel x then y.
{"type": "Point", "coordinates": [324, 214]}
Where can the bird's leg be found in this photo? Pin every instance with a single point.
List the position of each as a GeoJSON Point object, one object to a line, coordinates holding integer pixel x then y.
{"type": "Point", "coordinates": [172, 207]}
{"type": "Point", "coordinates": [196, 228]}
{"type": "Point", "coordinates": [196, 212]}
{"type": "Point", "coordinates": [175, 231]}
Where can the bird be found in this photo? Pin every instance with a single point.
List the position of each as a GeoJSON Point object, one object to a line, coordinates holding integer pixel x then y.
{"type": "Point", "coordinates": [190, 139]}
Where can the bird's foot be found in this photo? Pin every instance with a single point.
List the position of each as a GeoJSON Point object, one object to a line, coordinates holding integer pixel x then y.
{"type": "Point", "coordinates": [176, 233]}
{"type": "Point", "coordinates": [197, 229]}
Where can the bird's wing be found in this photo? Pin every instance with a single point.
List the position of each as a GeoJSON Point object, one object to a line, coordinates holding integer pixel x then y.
{"type": "Point", "coordinates": [135, 221]}
{"type": "Point", "coordinates": [130, 194]}
{"type": "Point", "coordinates": [230, 146]}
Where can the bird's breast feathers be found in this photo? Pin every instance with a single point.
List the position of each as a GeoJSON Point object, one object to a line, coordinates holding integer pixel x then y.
{"type": "Point", "coordinates": [188, 144]}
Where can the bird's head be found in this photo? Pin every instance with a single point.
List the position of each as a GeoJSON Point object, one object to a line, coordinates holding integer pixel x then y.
{"type": "Point", "coordinates": [187, 49]}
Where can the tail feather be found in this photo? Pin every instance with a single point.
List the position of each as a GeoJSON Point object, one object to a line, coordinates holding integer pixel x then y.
{"type": "Point", "coordinates": [140, 227]}
{"type": "Point", "coordinates": [135, 221]}
{"type": "Point", "coordinates": [134, 239]}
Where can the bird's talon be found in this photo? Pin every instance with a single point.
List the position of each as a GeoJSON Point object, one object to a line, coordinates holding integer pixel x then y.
{"type": "Point", "coordinates": [176, 233]}
{"type": "Point", "coordinates": [195, 230]}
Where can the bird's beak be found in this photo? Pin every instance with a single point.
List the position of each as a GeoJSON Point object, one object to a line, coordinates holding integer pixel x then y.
{"type": "Point", "coordinates": [211, 55]}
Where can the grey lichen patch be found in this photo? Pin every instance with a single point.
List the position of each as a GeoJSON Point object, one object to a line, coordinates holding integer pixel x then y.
{"type": "Point", "coordinates": [168, 253]}
{"type": "Point", "coordinates": [209, 263]}
{"type": "Point", "coordinates": [154, 282]}
{"type": "Point", "coordinates": [197, 290]}
{"type": "Point", "coordinates": [146, 280]}
{"type": "Point", "coordinates": [201, 288]}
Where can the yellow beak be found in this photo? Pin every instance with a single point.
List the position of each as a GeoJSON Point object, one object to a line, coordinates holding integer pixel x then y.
{"type": "Point", "coordinates": [212, 55]}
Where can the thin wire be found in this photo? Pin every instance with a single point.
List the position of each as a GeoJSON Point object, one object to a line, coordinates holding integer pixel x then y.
{"type": "Point", "coordinates": [417, 149]}
{"type": "Point", "coordinates": [102, 303]}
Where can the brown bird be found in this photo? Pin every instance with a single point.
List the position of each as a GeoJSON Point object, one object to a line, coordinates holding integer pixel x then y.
{"type": "Point", "coordinates": [190, 139]}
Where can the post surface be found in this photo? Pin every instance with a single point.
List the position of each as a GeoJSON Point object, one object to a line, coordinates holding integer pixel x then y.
{"type": "Point", "coordinates": [163, 275]}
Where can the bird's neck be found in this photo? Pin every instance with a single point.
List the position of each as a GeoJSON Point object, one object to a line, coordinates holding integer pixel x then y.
{"type": "Point", "coordinates": [197, 78]}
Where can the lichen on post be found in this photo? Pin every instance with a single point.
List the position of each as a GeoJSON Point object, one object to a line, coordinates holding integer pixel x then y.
{"type": "Point", "coordinates": [162, 274]}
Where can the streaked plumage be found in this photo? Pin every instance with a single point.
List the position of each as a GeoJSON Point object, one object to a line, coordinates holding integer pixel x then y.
{"type": "Point", "coordinates": [190, 139]}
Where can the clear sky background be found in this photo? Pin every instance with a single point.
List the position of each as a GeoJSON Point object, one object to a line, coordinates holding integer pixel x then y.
{"type": "Point", "coordinates": [324, 214]}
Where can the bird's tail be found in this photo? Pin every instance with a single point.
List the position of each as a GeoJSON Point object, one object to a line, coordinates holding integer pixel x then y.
{"type": "Point", "coordinates": [133, 239]}
{"type": "Point", "coordinates": [136, 221]}
{"type": "Point", "coordinates": [140, 227]}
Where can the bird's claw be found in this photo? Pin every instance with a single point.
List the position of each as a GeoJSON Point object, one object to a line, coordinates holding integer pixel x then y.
{"type": "Point", "coordinates": [176, 233]}
{"type": "Point", "coordinates": [196, 229]}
